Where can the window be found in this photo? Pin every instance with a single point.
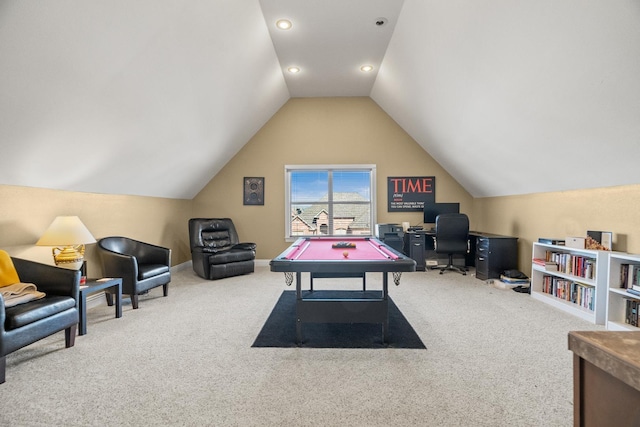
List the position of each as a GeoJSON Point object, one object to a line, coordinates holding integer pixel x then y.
{"type": "Point", "coordinates": [329, 200]}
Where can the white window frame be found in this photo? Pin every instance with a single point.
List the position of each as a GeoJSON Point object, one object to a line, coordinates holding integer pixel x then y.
{"type": "Point", "coordinates": [287, 191]}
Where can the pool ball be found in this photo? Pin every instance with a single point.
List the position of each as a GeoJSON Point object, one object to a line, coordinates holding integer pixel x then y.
{"type": "Point", "coordinates": [345, 254]}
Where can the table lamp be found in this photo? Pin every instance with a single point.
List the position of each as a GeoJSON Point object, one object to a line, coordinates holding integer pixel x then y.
{"type": "Point", "coordinates": [71, 234]}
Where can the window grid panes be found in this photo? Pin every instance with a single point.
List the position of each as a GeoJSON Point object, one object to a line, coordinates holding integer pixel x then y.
{"type": "Point", "coordinates": [330, 201]}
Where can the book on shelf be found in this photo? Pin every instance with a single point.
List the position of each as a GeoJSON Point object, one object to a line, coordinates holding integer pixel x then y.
{"type": "Point", "coordinates": [631, 315]}
{"type": "Point", "coordinates": [572, 264]}
{"type": "Point", "coordinates": [634, 281]}
{"type": "Point", "coordinates": [630, 276]}
{"type": "Point", "coordinates": [634, 291]}
{"type": "Point", "coordinates": [548, 241]}
{"type": "Point", "coordinates": [547, 265]}
{"type": "Point", "coordinates": [569, 290]}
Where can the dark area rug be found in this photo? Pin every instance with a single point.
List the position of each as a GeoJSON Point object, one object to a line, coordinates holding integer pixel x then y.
{"type": "Point", "coordinates": [280, 329]}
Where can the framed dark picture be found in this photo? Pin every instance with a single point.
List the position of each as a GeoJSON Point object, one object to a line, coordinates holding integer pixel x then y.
{"type": "Point", "coordinates": [253, 193]}
{"type": "Point", "coordinates": [410, 193]}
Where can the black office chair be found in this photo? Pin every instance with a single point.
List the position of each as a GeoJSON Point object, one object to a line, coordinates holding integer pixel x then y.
{"type": "Point", "coordinates": [452, 238]}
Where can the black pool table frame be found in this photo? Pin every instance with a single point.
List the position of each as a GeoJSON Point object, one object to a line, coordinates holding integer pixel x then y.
{"type": "Point", "coordinates": [312, 309]}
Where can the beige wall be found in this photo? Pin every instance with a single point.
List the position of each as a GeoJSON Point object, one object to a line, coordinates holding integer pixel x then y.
{"type": "Point", "coordinates": [319, 131]}
{"type": "Point", "coordinates": [25, 213]}
{"type": "Point", "coordinates": [563, 214]}
{"type": "Point", "coordinates": [314, 131]}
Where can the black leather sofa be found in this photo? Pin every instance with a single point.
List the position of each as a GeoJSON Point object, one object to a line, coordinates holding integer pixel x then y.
{"type": "Point", "coordinates": [26, 323]}
{"type": "Point", "coordinates": [142, 266]}
{"type": "Point", "coordinates": [216, 251]}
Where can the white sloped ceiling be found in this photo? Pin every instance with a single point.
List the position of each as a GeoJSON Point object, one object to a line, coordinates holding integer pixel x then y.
{"type": "Point", "coordinates": [519, 96]}
{"type": "Point", "coordinates": [154, 97]}
{"type": "Point", "coordinates": [139, 97]}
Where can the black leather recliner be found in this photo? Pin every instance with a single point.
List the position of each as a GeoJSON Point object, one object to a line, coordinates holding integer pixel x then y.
{"type": "Point", "coordinates": [26, 323]}
{"type": "Point", "coordinates": [142, 266]}
{"type": "Point", "coordinates": [216, 251]}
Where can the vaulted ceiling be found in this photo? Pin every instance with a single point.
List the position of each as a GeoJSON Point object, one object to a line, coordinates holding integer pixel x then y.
{"type": "Point", "coordinates": [154, 97]}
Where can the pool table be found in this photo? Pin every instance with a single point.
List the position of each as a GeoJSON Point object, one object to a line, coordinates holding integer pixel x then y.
{"type": "Point", "coordinates": [341, 257]}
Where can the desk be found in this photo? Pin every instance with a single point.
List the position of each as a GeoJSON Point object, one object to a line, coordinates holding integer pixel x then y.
{"type": "Point", "coordinates": [317, 255]}
{"type": "Point", "coordinates": [92, 286]}
{"type": "Point", "coordinates": [489, 253]}
{"type": "Point", "coordinates": [606, 378]}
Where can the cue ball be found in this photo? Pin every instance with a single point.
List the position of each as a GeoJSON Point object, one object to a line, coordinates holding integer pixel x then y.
{"type": "Point", "coordinates": [345, 254]}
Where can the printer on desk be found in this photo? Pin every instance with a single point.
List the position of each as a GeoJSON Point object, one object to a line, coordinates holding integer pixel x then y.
{"type": "Point", "coordinates": [391, 234]}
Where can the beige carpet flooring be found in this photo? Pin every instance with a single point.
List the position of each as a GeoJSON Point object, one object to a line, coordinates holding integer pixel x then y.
{"type": "Point", "coordinates": [494, 358]}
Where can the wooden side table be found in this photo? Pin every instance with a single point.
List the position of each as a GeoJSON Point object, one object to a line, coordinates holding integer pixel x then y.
{"type": "Point", "coordinates": [95, 285]}
{"type": "Point", "coordinates": [606, 378]}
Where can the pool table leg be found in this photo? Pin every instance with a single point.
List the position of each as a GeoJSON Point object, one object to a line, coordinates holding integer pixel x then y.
{"type": "Point", "coordinates": [385, 296]}
{"type": "Point", "coordinates": [298, 299]}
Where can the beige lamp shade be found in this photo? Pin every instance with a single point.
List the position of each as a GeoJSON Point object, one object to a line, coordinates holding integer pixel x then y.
{"type": "Point", "coordinates": [71, 234]}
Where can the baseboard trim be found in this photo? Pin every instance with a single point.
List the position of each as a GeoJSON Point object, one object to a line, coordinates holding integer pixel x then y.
{"type": "Point", "coordinates": [98, 298]}
{"type": "Point", "coordinates": [189, 265]}
{"type": "Point", "coordinates": [180, 267]}
{"type": "Point", "coordinates": [95, 300]}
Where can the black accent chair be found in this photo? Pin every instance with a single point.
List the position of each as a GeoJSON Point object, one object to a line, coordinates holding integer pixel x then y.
{"type": "Point", "coordinates": [216, 250]}
{"type": "Point", "coordinates": [142, 266]}
{"type": "Point", "coordinates": [452, 238]}
{"type": "Point", "coordinates": [26, 323]}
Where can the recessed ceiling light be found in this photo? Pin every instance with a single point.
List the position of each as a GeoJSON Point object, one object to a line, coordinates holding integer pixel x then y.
{"type": "Point", "coordinates": [283, 24]}
{"type": "Point", "coordinates": [366, 68]}
{"type": "Point", "coordinates": [293, 70]}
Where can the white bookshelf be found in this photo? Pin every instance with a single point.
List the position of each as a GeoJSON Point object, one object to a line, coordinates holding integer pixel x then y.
{"type": "Point", "coordinates": [597, 283]}
{"type": "Point", "coordinates": [617, 297]}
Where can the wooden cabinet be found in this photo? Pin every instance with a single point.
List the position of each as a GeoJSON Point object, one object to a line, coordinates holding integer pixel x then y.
{"type": "Point", "coordinates": [606, 378]}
